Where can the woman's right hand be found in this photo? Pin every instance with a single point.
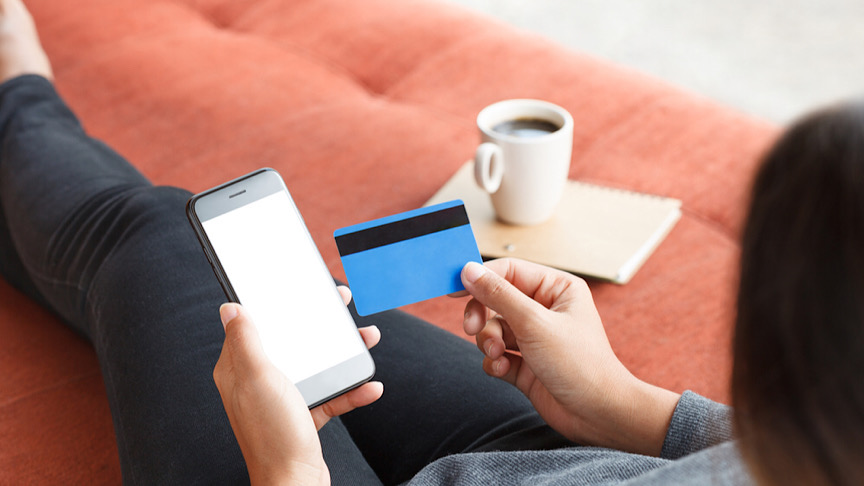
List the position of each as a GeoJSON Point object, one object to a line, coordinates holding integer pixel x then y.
{"type": "Point", "coordinates": [276, 432]}
{"type": "Point", "coordinates": [546, 338]}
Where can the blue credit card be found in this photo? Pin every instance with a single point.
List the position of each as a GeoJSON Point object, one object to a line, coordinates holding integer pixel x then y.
{"type": "Point", "coordinates": [407, 257]}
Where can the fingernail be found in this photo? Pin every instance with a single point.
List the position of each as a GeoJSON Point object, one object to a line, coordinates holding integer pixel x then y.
{"type": "Point", "coordinates": [228, 312]}
{"type": "Point", "coordinates": [473, 271]}
{"type": "Point", "coordinates": [488, 347]}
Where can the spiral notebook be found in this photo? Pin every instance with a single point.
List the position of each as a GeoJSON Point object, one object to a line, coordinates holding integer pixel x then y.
{"type": "Point", "coordinates": [596, 231]}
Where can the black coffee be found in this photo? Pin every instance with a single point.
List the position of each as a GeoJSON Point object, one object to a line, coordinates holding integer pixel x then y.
{"type": "Point", "coordinates": [526, 127]}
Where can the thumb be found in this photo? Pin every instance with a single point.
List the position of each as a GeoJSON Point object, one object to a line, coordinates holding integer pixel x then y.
{"type": "Point", "coordinates": [521, 312]}
{"type": "Point", "coordinates": [241, 337]}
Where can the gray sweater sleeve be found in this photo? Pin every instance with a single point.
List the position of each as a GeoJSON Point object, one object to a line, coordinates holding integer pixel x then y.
{"type": "Point", "coordinates": [697, 450]}
{"type": "Point", "coordinates": [698, 423]}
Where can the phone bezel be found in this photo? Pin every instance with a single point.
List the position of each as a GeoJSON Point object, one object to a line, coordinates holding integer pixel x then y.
{"type": "Point", "coordinates": [246, 189]}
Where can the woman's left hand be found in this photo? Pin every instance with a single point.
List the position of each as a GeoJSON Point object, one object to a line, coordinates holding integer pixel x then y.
{"type": "Point", "coordinates": [277, 433]}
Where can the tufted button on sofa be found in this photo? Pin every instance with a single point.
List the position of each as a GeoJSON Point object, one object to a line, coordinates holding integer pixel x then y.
{"type": "Point", "coordinates": [366, 108]}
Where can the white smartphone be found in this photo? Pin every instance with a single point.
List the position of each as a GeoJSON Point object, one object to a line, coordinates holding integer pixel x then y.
{"type": "Point", "coordinates": [265, 259]}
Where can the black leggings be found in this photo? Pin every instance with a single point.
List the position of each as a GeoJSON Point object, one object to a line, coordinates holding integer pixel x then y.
{"type": "Point", "coordinates": [91, 239]}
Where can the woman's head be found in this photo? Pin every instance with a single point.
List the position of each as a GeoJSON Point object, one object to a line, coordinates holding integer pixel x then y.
{"type": "Point", "coordinates": [798, 378]}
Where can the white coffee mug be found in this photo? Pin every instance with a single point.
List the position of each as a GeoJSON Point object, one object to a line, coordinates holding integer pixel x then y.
{"type": "Point", "coordinates": [524, 158]}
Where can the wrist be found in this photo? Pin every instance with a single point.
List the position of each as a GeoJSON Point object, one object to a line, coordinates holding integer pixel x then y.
{"type": "Point", "coordinates": [295, 473]}
{"type": "Point", "coordinates": [646, 416]}
{"type": "Point", "coordinates": [630, 415]}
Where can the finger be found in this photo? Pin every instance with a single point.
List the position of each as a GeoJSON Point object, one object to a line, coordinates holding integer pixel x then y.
{"type": "Point", "coordinates": [345, 292]}
{"type": "Point", "coordinates": [496, 338]}
{"type": "Point", "coordinates": [505, 368]}
{"type": "Point", "coordinates": [507, 334]}
{"type": "Point", "coordinates": [371, 335]}
{"type": "Point", "coordinates": [358, 397]}
{"type": "Point", "coordinates": [498, 367]}
{"type": "Point", "coordinates": [548, 286]}
{"type": "Point", "coordinates": [524, 275]}
{"type": "Point", "coordinates": [495, 292]}
{"type": "Point", "coordinates": [474, 318]}
{"type": "Point", "coordinates": [489, 339]}
{"type": "Point", "coordinates": [242, 342]}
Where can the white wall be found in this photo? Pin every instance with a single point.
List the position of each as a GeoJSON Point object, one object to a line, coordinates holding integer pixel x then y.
{"type": "Point", "coordinates": [774, 59]}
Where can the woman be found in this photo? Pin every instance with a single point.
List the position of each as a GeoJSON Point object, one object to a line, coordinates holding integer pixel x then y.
{"type": "Point", "coordinates": [799, 337]}
{"type": "Point", "coordinates": [85, 234]}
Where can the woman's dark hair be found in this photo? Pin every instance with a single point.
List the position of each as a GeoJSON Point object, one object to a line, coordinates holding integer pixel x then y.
{"type": "Point", "coordinates": [798, 376]}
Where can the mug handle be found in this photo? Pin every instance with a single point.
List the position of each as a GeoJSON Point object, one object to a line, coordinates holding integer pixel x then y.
{"type": "Point", "coordinates": [489, 167]}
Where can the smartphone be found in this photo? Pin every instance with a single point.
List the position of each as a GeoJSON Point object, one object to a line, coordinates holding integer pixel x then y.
{"type": "Point", "coordinates": [265, 259]}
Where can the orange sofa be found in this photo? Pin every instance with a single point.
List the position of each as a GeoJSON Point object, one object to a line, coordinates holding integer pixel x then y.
{"type": "Point", "coordinates": [366, 108]}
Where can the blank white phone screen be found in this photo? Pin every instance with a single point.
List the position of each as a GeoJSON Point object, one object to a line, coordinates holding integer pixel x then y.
{"type": "Point", "coordinates": [281, 281]}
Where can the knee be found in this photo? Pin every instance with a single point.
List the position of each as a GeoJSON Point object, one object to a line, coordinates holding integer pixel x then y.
{"type": "Point", "coordinates": [153, 205]}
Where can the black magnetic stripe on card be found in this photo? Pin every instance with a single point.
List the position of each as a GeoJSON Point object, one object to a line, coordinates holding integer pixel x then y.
{"type": "Point", "coordinates": [405, 229]}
